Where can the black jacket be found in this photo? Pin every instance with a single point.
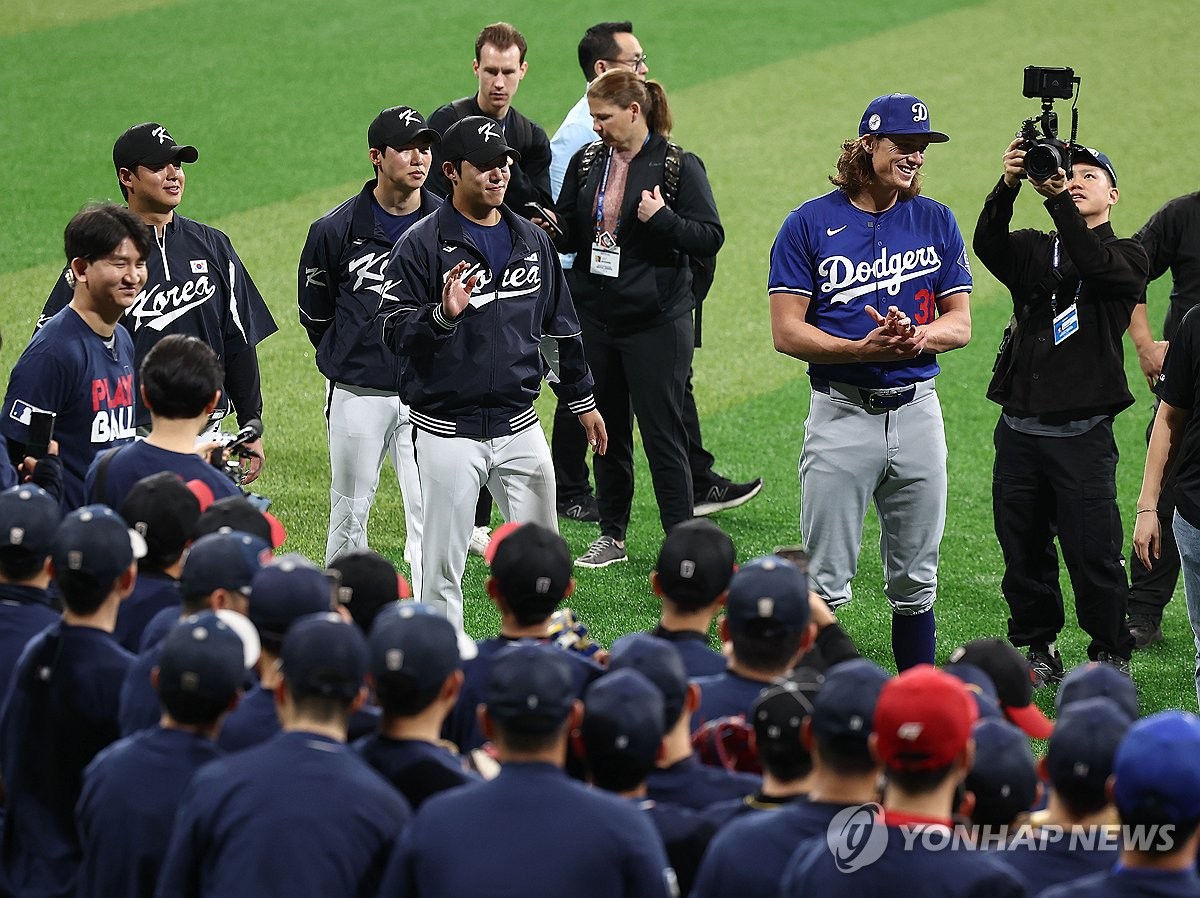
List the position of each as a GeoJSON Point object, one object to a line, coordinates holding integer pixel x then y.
{"type": "Point", "coordinates": [339, 286]}
{"type": "Point", "coordinates": [654, 285]}
{"type": "Point", "coordinates": [1084, 375]}
{"type": "Point", "coordinates": [1171, 239]}
{"type": "Point", "coordinates": [478, 375]}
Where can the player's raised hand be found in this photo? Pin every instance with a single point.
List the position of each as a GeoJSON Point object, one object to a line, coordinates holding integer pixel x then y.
{"type": "Point", "coordinates": [652, 201]}
{"type": "Point", "coordinates": [597, 435]}
{"type": "Point", "coordinates": [254, 461]}
{"type": "Point", "coordinates": [455, 293]}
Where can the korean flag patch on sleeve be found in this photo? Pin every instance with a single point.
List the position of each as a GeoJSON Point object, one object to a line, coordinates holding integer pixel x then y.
{"type": "Point", "coordinates": [199, 266]}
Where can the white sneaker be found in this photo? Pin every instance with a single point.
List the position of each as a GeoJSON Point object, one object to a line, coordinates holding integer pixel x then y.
{"type": "Point", "coordinates": [480, 537]}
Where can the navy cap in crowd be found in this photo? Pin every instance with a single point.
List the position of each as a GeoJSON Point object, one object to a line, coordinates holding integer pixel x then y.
{"type": "Point", "coordinates": [369, 583]}
{"type": "Point", "coordinates": [96, 543]}
{"type": "Point", "coordinates": [768, 596]}
{"type": "Point", "coordinates": [202, 661]}
{"type": "Point", "coordinates": [1009, 671]}
{"type": "Point", "coordinates": [398, 127]}
{"type": "Point", "coordinates": [980, 685]}
{"type": "Point", "coordinates": [845, 706]}
{"type": "Point", "coordinates": [898, 114]}
{"type": "Point", "coordinates": [1079, 758]}
{"type": "Point", "coordinates": [623, 718]}
{"type": "Point", "coordinates": [1095, 157]}
{"type": "Point", "coordinates": [660, 662]}
{"type": "Point", "coordinates": [286, 590]}
{"type": "Point", "coordinates": [324, 656]}
{"type": "Point", "coordinates": [778, 714]}
{"type": "Point", "coordinates": [695, 563]}
{"type": "Point", "coordinates": [149, 144]}
{"type": "Point", "coordinates": [530, 688]}
{"type": "Point", "coordinates": [413, 650]}
{"type": "Point", "coordinates": [477, 139]}
{"type": "Point", "coordinates": [164, 511]}
{"type": "Point", "coordinates": [1004, 776]}
{"type": "Point", "coordinates": [227, 559]}
{"type": "Point", "coordinates": [238, 513]}
{"type": "Point", "coordinates": [1157, 777]}
{"type": "Point", "coordinates": [29, 519]}
{"type": "Point", "coordinates": [1096, 680]}
{"type": "Point", "coordinates": [531, 565]}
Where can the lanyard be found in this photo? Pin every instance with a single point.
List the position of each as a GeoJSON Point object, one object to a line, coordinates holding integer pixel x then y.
{"type": "Point", "coordinates": [1054, 293]}
{"type": "Point", "coordinates": [600, 198]}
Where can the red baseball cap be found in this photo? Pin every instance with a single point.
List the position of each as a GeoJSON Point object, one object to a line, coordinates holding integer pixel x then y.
{"type": "Point", "coordinates": [923, 719]}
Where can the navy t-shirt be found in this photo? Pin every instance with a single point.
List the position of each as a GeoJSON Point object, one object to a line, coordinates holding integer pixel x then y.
{"type": "Point", "coordinates": [699, 659]}
{"type": "Point", "coordinates": [495, 242]}
{"type": "Point", "coordinates": [139, 460]}
{"type": "Point", "coordinates": [694, 785]}
{"type": "Point", "coordinates": [393, 225]}
{"type": "Point", "coordinates": [725, 694]}
{"type": "Point", "coordinates": [152, 593]}
{"type": "Point", "coordinates": [24, 612]}
{"type": "Point", "coordinates": [418, 769]}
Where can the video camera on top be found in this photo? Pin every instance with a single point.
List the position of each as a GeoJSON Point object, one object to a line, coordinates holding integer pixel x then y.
{"type": "Point", "coordinates": [235, 449]}
{"type": "Point", "coordinates": [1045, 154]}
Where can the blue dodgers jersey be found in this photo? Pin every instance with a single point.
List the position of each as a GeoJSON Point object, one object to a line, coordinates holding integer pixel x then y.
{"type": "Point", "coordinates": [845, 259]}
{"type": "Point", "coordinates": [67, 369]}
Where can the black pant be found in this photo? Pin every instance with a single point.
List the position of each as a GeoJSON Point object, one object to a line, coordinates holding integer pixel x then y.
{"type": "Point", "coordinates": [568, 445]}
{"type": "Point", "coordinates": [642, 374]}
{"type": "Point", "coordinates": [1043, 487]}
{"type": "Point", "coordinates": [1150, 590]}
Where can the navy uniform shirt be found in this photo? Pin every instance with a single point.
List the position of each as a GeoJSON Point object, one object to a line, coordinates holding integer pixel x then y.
{"type": "Point", "coordinates": [723, 812]}
{"type": "Point", "coordinates": [255, 720]}
{"type": "Point", "coordinates": [748, 856]}
{"type": "Point", "coordinates": [1123, 882]}
{"type": "Point", "coordinates": [153, 592]}
{"type": "Point", "coordinates": [699, 660]}
{"type": "Point", "coordinates": [1046, 862]}
{"type": "Point", "coordinates": [140, 709]}
{"type": "Point", "coordinates": [696, 786]}
{"type": "Point", "coordinates": [725, 695]}
{"type": "Point", "coordinates": [462, 725]}
{"type": "Point", "coordinates": [24, 612]}
{"type": "Point", "coordinates": [138, 460]}
{"type": "Point", "coordinates": [418, 769]}
{"type": "Point", "coordinates": [685, 836]}
{"type": "Point", "coordinates": [60, 711]}
{"type": "Point", "coordinates": [131, 792]}
{"type": "Point", "coordinates": [533, 832]}
{"type": "Point", "coordinates": [68, 369]}
{"type": "Point", "coordinates": [300, 815]}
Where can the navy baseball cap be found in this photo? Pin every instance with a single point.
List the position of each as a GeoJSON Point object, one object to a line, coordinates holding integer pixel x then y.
{"type": "Point", "coordinates": [845, 705]}
{"type": "Point", "coordinates": [898, 114]}
{"type": "Point", "coordinates": [96, 543]}
{"type": "Point", "coordinates": [768, 596]}
{"type": "Point", "coordinates": [530, 688]}
{"type": "Point", "coordinates": [149, 144]}
{"type": "Point", "coordinates": [1095, 157]}
{"type": "Point", "coordinates": [1004, 776]}
{"type": "Point", "coordinates": [980, 685]}
{"type": "Point", "coordinates": [780, 709]}
{"type": "Point", "coordinates": [398, 127]}
{"type": "Point", "coordinates": [1009, 671]}
{"type": "Point", "coordinates": [623, 717]}
{"type": "Point", "coordinates": [324, 656]}
{"type": "Point", "coordinates": [1155, 769]}
{"type": "Point", "coordinates": [477, 139]}
{"type": "Point", "coordinates": [660, 662]}
{"type": "Point", "coordinates": [29, 519]}
{"type": "Point", "coordinates": [369, 583]}
{"type": "Point", "coordinates": [696, 562]}
{"type": "Point", "coordinates": [1097, 680]}
{"type": "Point", "coordinates": [227, 559]}
{"type": "Point", "coordinates": [201, 658]}
{"type": "Point", "coordinates": [531, 565]}
{"type": "Point", "coordinates": [1084, 743]}
{"type": "Point", "coordinates": [286, 590]}
{"type": "Point", "coordinates": [413, 649]}
{"type": "Point", "coordinates": [164, 511]}
{"type": "Point", "coordinates": [237, 513]}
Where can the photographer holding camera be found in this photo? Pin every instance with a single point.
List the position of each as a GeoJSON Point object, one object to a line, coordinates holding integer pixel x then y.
{"type": "Point", "coordinates": [1060, 379]}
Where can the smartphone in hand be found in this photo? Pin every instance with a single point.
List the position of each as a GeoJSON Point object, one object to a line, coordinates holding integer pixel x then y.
{"type": "Point", "coordinates": [540, 211]}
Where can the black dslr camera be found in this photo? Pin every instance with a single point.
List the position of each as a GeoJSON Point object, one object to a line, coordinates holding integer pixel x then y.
{"type": "Point", "coordinates": [1045, 154]}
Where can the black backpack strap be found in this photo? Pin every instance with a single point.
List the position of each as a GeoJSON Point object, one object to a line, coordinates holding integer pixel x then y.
{"type": "Point", "coordinates": [590, 154]}
{"type": "Point", "coordinates": [672, 165]}
{"type": "Point", "coordinates": [106, 461]}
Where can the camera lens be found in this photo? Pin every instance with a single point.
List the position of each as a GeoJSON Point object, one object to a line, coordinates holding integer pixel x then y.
{"type": "Point", "coordinates": [1043, 162]}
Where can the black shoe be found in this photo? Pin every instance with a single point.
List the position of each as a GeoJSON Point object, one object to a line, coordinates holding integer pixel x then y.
{"type": "Point", "coordinates": [580, 508]}
{"type": "Point", "coordinates": [1146, 631]}
{"type": "Point", "coordinates": [1045, 665]}
{"type": "Point", "coordinates": [1121, 664]}
{"type": "Point", "coordinates": [725, 494]}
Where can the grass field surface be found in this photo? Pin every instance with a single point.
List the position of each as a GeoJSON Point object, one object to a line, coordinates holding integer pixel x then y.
{"type": "Point", "coordinates": [277, 98]}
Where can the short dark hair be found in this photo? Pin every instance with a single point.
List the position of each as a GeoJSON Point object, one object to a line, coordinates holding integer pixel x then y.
{"type": "Point", "coordinates": [918, 782]}
{"type": "Point", "coordinates": [81, 593]}
{"type": "Point", "coordinates": [599, 42]}
{"type": "Point", "coordinates": [180, 374]}
{"type": "Point", "coordinates": [403, 699]}
{"type": "Point", "coordinates": [500, 35]}
{"type": "Point", "coordinates": [18, 564]}
{"type": "Point", "coordinates": [845, 755]}
{"type": "Point", "coordinates": [766, 652]}
{"type": "Point", "coordinates": [98, 229]}
{"type": "Point", "coordinates": [1080, 798]}
{"type": "Point", "coordinates": [192, 710]}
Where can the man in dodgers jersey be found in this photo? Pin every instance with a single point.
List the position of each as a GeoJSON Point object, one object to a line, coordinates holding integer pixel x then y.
{"type": "Point", "coordinates": [867, 283]}
{"type": "Point", "coordinates": [195, 282]}
{"type": "Point", "coordinates": [340, 282]}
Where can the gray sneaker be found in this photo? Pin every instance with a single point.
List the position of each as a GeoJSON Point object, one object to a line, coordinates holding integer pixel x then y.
{"type": "Point", "coordinates": [1146, 631]}
{"type": "Point", "coordinates": [1046, 667]}
{"type": "Point", "coordinates": [603, 552]}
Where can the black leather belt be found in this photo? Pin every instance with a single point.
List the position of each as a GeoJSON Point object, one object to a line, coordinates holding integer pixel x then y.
{"type": "Point", "coordinates": [874, 400]}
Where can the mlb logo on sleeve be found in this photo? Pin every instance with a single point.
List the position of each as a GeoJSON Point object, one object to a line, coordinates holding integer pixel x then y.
{"type": "Point", "coordinates": [199, 266]}
{"type": "Point", "coordinates": [22, 411]}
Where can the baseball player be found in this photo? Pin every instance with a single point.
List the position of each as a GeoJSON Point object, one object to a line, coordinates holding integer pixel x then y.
{"type": "Point", "coordinates": [340, 287]}
{"type": "Point", "coordinates": [79, 366]}
{"type": "Point", "coordinates": [868, 283]}
{"type": "Point", "coordinates": [468, 295]}
{"type": "Point", "coordinates": [195, 282]}
{"type": "Point", "coordinates": [29, 517]}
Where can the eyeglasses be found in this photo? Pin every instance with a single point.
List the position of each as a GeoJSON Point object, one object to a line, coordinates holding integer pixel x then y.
{"type": "Point", "coordinates": [635, 63]}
